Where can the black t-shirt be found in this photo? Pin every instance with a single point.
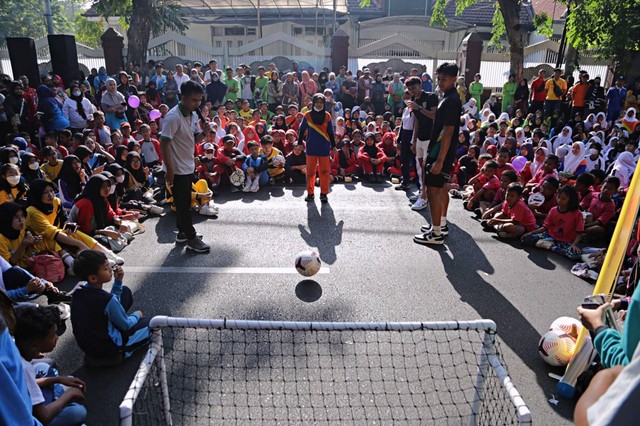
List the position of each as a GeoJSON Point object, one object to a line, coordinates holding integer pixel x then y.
{"type": "Point", "coordinates": [427, 101]}
{"type": "Point", "coordinates": [447, 114]}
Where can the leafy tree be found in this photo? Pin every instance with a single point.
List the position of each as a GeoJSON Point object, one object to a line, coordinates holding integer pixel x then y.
{"type": "Point", "coordinates": [25, 18]}
{"type": "Point", "coordinates": [141, 18]}
{"type": "Point", "coordinates": [609, 28]}
{"type": "Point", "coordinates": [87, 32]}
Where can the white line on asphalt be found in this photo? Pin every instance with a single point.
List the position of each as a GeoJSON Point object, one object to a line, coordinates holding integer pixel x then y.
{"type": "Point", "coordinates": [213, 270]}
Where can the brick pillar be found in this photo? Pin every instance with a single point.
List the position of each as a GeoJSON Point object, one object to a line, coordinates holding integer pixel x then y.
{"type": "Point", "coordinates": [113, 45]}
{"type": "Point", "coordinates": [339, 50]}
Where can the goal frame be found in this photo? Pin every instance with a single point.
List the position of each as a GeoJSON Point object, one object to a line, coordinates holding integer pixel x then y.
{"type": "Point", "coordinates": [488, 356]}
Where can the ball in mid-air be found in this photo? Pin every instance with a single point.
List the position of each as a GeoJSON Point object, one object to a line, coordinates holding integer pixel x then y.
{"type": "Point", "coordinates": [308, 263]}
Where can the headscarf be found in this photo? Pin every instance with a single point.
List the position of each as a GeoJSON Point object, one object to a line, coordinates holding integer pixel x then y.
{"type": "Point", "coordinates": [471, 107]}
{"type": "Point", "coordinates": [5, 153]}
{"type": "Point", "coordinates": [520, 139]}
{"type": "Point", "coordinates": [91, 192]}
{"type": "Point", "coordinates": [630, 123]}
{"type": "Point", "coordinates": [70, 177]}
{"type": "Point", "coordinates": [504, 117]}
{"type": "Point", "coordinates": [572, 161]}
{"type": "Point", "coordinates": [138, 175]}
{"type": "Point", "coordinates": [603, 123]}
{"type": "Point", "coordinates": [589, 122]}
{"type": "Point", "coordinates": [372, 151]}
{"type": "Point", "coordinates": [21, 143]}
{"type": "Point", "coordinates": [560, 140]}
{"type": "Point", "coordinates": [623, 168]}
{"type": "Point", "coordinates": [119, 150]}
{"type": "Point", "coordinates": [36, 191]}
{"type": "Point", "coordinates": [114, 168]}
{"type": "Point", "coordinates": [26, 172]}
{"type": "Point", "coordinates": [79, 106]}
{"type": "Point", "coordinates": [484, 115]}
{"type": "Point", "coordinates": [318, 117]}
{"type": "Point", "coordinates": [529, 147]}
{"type": "Point", "coordinates": [7, 212]}
{"type": "Point", "coordinates": [535, 165]}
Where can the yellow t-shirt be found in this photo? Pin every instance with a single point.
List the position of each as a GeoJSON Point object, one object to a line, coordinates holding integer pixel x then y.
{"type": "Point", "coordinates": [13, 196]}
{"type": "Point", "coordinates": [551, 95]}
{"type": "Point", "coordinates": [43, 224]}
{"type": "Point", "coordinates": [51, 172]}
{"type": "Point", "coordinates": [273, 172]}
{"type": "Point", "coordinates": [246, 115]}
{"type": "Point", "coordinates": [9, 247]}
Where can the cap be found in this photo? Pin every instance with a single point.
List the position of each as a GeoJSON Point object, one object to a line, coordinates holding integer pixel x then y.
{"type": "Point", "coordinates": [327, 90]}
{"type": "Point", "coordinates": [207, 146]}
{"type": "Point", "coordinates": [228, 138]}
{"type": "Point", "coordinates": [620, 77]}
{"type": "Point", "coordinates": [366, 70]}
{"type": "Point", "coordinates": [293, 105]}
{"type": "Point", "coordinates": [125, 124]}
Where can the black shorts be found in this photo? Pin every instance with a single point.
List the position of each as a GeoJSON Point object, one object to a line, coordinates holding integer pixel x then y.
{"type": "Point", "coordinates": [439, 180]}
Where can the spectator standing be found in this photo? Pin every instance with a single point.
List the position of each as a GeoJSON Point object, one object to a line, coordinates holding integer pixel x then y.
{"type": "Point", "coordinates": [616, 96]}
{"type": "Point", "coordinates": [556, 88]}
{"type": "Point", "coordinates": [476, 88]}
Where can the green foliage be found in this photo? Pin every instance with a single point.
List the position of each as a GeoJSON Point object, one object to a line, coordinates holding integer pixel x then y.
{"type": "Point", "coordinates": [165, 14]}
{"type": "Point", "coordinates": [543, 24]}
{"type": "Point", "coordinates": [87, 32]}
{"type": "Point", "coordinates": [610, 28]}
{"type": "Point", "coordinates": [25, 18]}
{"type": "Point", "coordinates": [498, 28]}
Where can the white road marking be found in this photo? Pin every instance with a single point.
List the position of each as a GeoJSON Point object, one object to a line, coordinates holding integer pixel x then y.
{"type": "Point", "coordinates": [213, 270]}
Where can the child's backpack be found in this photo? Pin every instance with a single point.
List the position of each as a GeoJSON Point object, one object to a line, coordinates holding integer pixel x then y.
{"type": "Point", "coordinates": [47, 265]}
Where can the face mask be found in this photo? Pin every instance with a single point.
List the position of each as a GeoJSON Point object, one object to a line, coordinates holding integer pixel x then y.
{"type": "Point", "coordinates": [34, 166]}
{"type": "Point", "coordinates": [120, 178]}
{"type": "Point", "coordinates": [593, 152]}
{"type": "Point", "coordinates": [315, 108]}
{"type": "Point", "coordinates": [112, 189]}
{"type": "Point", "coordinates": [77, 93]}
{"type": "Point", "coordinates": [13, 180]}
{"type": "Point", "coordinates": [13, 160]}
{"type": "Point", "coordinates": [209, 156]}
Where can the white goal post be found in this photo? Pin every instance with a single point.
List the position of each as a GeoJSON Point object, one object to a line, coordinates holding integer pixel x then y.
{"type": "Point", "coordinates": [448, 371]}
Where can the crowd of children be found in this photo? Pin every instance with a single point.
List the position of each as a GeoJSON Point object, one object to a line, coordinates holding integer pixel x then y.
{"type": "Point", "coordinates": [83, 167]}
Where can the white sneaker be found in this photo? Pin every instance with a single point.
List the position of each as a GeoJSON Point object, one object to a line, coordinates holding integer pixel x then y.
{"type": "Point", "coordinates": [420, 204]}
{"type": "Point", "coordinates": [414, 197]}
{"type": "Point", "coordinates": [247, 186]}
{"type": "Point", "coordinates": [255, 186]}
{"type": "Point", "coordinates": [207, 210]}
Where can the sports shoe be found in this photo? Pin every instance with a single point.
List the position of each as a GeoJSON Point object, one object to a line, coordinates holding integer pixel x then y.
{"type": "Point", "coordinates": [503, 234]}
{"type": "Point", "coordinates": [309, 198]}
{"type": "Point", "coordinates": [182, 238]}
{"type": "Point", "coordinates": [324, 198]}
{"type": "Point", "coordinates": [157, 210]}
{"type": "Point", "coordinates": [61, 297]}
{"type": "Point", "coordinates": [197, 245]}
{"type": "Point", "coordinates": [247, 186]}
{"type": "Point", "coordinates": [455, 193]}
{"type": "Point", "coordinates": [403, 187]}
{"type": "Point", "coordinates": [255, 186]}
{"type": "Point", "coordinates": [444, 230]}
{"type": "Point", "coordinates": [208, 210]}
{"type": "Point", "coordinates": [420, 204]}
{"type": "Point", "coordinates": [544, 244]}
{"type": "Point", "coordinates": [415, 197]}
{"type": "Point", "coordinates": [428, 238]}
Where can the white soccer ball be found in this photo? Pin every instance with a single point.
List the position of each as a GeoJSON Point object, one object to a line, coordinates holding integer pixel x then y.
{"type": "Point", "coordinates": [278, 161]}
{"type": "Point", "coordinates": [568, 325]}
{"type": "Point", "coordinates": [556, 348]}
{"type": "Point", "coordinates": [308, 263]}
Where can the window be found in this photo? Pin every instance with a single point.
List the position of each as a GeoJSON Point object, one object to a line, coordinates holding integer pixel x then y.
{"type": "Point", "coordinates": [234, 31]}
{"type": "Point", "coordinates": [218, 44]}
{"type": "Point", "coordinates": [182, 49]}
{"type": "Point", "coordinates": [229, 44]}
{"type": "Point", "coordinates": [217, 31]}
{"type": "Point", "coordinates": [297, 31]}
{"type": "Point", "coordinates": [313, 31]}
{"type": "Point", "coordinates": [251, 31]}
{"type": "Point", "coordinates": [240, 43]}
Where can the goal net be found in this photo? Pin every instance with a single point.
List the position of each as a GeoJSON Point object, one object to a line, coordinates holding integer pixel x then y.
{"type": "Point", "coordinates": [199, 371]}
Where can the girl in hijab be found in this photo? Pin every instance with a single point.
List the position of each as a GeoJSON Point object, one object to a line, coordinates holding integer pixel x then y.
{"type": "Point", "coordinates": [53, 118]}
{"type": "Point", "coordinates": [291, 91]}
{"type": "Point", "coordinates": [484, 115]}
{"type": "Point", "coordinates": [250, 135]}
{"type": "Point", "coordinates": [9, 154]}
{"type": "Point", "coordinates": [629, 122]}
{"type": "Point", "coordinates": [589, 122]}
{"type": "Point", "coordinates": [121, 155]}
{"type": "Point", "coordinates": [30, 167]}
{"type": "Point", "coordinates": [471, 108]}
{"type": "Point", "coordinates": [575, 162]}
{"type": "Point", "coordinates": [623, 168]}
{"type": "Point", "coordinates": [261, 129]}
{"type": "Point", "coordinates": [280, 123]}
{"type": "Point", "coordinates": [170, 90]}
{"type": "Point", "coordinates": [275, 91]}
{"type": "Point", "coordinates": [71, 179]}
{"type": "Point", "coordinates": [12, 186]}
{"type": "Point", "coordinates": [46, 217]}
{"type": "Point", "coordinates": [601, 119]}
{"type": "Point", "coordinates": [317, 130]}
{"type": "Point", "coordinates": [564, 138]}
{"type": "Point", "coordinates": [521, 97]}
{"type": "Point", "coordinates": [77, 109]}
{"type": "Point", "coordinates": [308, 87]}
{"type": "Point", "coordinates": [578, 132]}
{"type": "Point", "coordinates": [594, 159]}
{"type": "Point", "coordinates": [372, 159]}
{"type": "Point", "coordinates": [536, 164]}
{"type": "Point", "coordinates": [92, 212]}
{"type": "Point", "coordinates": [520, 136]}
{"type": "Point", "coordinates": [113, 105]}
{"type": "Point", "coordinates": [138, 182]}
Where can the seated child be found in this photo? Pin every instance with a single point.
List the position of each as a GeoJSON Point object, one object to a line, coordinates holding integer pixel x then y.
{"type": "Point", "coordinates": [276, 169]}
{"type": "Point", "coordinates": [255, 169]}
{"type": "Point", "coordinates": [52, 404]}
{"type": "Point", "coordinates": [102, 328]}
{"type": "Point", "coordinates": [562, 229]}
{"type": "Point", "coordinates": [601, 209]}
{"type": "Point", "coordinates": [488, 190]}
{"type": "Point", "coordinates": [503, 161]}
{"type": "Point", "coordinates": [12, 186]}
{"type": "Point", "coordinates": [228, 159]}
{"type": "Point", "coordinates": [599, 176]}
{"type": "Point", "coordinates": [541, 208]}
{"type": "Point", "coordinates": [515, 218]}
{"type": "Point", "coordinates": [476, 182]}
{"type": "Point", "coordinates": [372, 159]}
{"type": "Point", "coordinates": [206, 167]}
{"type": "Point", "coordinates": [490, 209]}
{"type": "Point", "coordinates": [52, 164]}
{"type": "Point", "coordinates": [296, 164]}
{"type": "Point", "coordinates": [344, 163]}
{"type": "Point", "coordinates": [585, 192]}
{"type": "Point", "coordinates": [548, 169]}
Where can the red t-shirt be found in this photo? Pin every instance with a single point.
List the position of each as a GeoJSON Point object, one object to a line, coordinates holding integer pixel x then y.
{"type": "Point", "coordinates": [585, 201]}
{"type": "Point", "coordinates": [602, 211]}
{"type": "Point", "coordinates": [520, 214]}
{"type": "Point", "coordinates": [538, 95]}
{"type": "Point", "coordinates": [492, 184]}
{"type": "Point", "coordinates": [507, 166]}
{"type": "Point", "coordinates": [564, 226]}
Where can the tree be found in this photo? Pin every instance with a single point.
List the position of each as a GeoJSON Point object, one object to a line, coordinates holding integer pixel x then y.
{"type": "Point", "coordinates": [609, 28]}
{"type": "Point", "coordinates": [87, 32]}
{"type": "Point", "coordinates": [25, 18]}
{"type": "Point", "coordinates": [141, 18]}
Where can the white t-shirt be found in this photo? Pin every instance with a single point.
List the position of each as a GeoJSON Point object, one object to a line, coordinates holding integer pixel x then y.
{"type": "Point", "coordinates": [246, 88]}
{"type": "Point", "coordinates": [149, 151]}
{"type": "Point", "coordinates": [181, 130]}
{"type": "Point", "coordinates": [70, 110]}
{"type": "Point", "coordinates": [407, 119]}
{"type": "Point", "coordinates": [30, 377]}
{"type": "Point", "coordinates": [179, 80]}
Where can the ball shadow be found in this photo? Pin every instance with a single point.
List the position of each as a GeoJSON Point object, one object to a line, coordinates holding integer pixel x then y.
{"type": "Point", "coordinates": [308, 291]}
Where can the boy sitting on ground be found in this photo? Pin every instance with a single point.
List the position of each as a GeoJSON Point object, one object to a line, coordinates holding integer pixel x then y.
{"type": "Point", "coordinates": [35, 335]}
{"type": "Point", "coordinates": [601, 210]}
{"type": "Point", "coordinates": [102, 328]}
{"type": "Point", "coordinates": [255, 169]}
{"type": "Point", "coordinates": [488, 190]}
{"type": "Point", "coordinates": [515, 218]}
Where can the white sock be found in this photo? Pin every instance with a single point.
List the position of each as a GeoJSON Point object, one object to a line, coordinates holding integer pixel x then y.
{"type": "Point", "coordinates": [68, 260]}
{"type": "Point", "coordinates": [437, 231]}
{"type": "Point", "coordinates": [443, 221]}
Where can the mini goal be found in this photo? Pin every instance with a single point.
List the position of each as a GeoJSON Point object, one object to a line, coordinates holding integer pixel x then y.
{"type": "Point", "coordinates": [199, 371]}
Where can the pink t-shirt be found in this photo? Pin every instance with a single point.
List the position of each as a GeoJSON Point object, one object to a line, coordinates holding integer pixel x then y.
{"type": "Point", "coordinates": [540, 176]}
{"type": "Point", "coordinates": [492, 185]}
{"type": "Point", "coordinates": [602, 211]}
{"type": "Point", "coordinates": [564, 227]}
{"type": "Point", "coordinates": [520, 214]}
{"type": "Point", "coordinates": [585, 201]}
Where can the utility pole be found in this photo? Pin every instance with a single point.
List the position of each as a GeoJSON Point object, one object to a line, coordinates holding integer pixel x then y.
{"type": "Point", "coordinates": [48, 16]}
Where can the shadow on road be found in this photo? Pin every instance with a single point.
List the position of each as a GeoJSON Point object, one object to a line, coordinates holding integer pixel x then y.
{"type": "Point", "coordinates": [324, 233]}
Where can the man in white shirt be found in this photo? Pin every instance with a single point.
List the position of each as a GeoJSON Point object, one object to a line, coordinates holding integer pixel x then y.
{"type": "Point", "coordinates": [213, 68]}
{"type": "Point", "coordinates": [180, 77]}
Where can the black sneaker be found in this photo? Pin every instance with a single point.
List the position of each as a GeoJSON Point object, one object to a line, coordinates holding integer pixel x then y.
{"type": "Point", "coordinates": [61, 297]}
{"type": "Point", "coordinates": [309, 198]}
{"type": "Point", "coordinates": [182, 238]}
{"type": "Point", "coordinates": [428, 238]}
{"type": "Point", "coordinates": [197, 245]}
{"type": "Point", "coordinates": [324, 198]}
{"type": "Point", "coordinates": [478, 213]}
{"type": "Point", "coordinates": [427, 229]}
{"type": "Point", "coordinates": [403, 187]}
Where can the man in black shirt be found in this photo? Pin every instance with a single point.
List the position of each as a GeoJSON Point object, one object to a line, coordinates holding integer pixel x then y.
{"type": "Point", "coordinates": [423, 106]}
{"type": "Point", "coordinates": [441, 155]}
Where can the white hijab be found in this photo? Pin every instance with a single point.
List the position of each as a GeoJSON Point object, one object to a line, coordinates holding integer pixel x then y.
{"type": "Point", "coordinates": [623, 168]}
{"type": "Point", "coordinates": [484, 115]}
{"type": "Point", "coordinates": [573, 161]}
{"type": "Point", "coordinates": [535, 165]}
{"type": "Point", "coordinates": [560, 139]}
{"type": "Point", "coordinates": [470, 107]}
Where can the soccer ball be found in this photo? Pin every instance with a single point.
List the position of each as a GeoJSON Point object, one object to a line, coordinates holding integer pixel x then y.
{"type": "Point", "coordinates": [568, 325]}
{"type": "Point", "coordinates": [278, 161]}
{"type": "Point", "coordinates": [308, 263]}
{"type": "Point", "coordinates": [556, 348]}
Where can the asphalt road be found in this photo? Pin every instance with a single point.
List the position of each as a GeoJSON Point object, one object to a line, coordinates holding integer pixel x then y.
{"type": "Point", "coordinates": [376, 273]}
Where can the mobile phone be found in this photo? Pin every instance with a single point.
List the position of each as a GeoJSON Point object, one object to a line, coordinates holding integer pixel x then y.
{"type": "Point", "coordinates": [70, 227]}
